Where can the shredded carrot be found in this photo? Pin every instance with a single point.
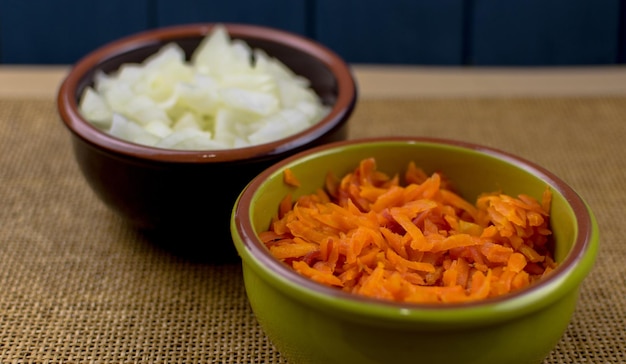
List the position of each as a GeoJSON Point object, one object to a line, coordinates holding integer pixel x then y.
{"type": "Point", "coordinates": [411, 238]}
{"type": "Point", "coordinates": [290, 178]}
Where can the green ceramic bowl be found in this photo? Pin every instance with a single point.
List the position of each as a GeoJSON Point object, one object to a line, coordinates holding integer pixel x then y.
{"type": "Point", "coordinates": [311, 323]}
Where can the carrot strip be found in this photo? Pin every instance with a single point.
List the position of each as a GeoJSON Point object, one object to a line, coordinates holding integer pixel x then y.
{"type": "Point", "coordinates": [297, 249]}
{"type": "Point", "coordinates": [290, 178]}
{"type": "Point", "coordinates": [285, 205]}
{"type": "Point", "coordinates": [516, 262]}
{"type": "Point", "coordinates": [317, 275]}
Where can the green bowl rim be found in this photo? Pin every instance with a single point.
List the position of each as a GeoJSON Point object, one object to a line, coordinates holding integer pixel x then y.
{"type": "Point", "coordinates": [565, 278]}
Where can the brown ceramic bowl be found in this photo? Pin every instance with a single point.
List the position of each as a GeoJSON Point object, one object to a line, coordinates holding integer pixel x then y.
{"type": "Point", "coordinates": [192, 192]}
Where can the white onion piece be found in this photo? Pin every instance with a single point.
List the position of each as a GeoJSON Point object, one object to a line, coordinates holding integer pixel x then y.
{"type": "Point", "coordinates": [126, 129]}
{"type": "Point", "coordinates": [95, 109]}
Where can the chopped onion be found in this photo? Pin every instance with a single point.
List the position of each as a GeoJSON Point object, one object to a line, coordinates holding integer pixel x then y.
{"type": "Point", "coordinates": [227, 96]}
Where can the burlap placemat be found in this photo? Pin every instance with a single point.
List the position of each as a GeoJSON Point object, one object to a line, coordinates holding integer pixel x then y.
{"type": "Point", "coordinates": [78, 286]}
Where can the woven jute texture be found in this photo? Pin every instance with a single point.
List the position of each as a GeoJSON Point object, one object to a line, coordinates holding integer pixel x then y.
{"type": "Point", "coordinates": [77, 285]}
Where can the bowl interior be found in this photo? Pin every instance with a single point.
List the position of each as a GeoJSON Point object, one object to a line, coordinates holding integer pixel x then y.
{"type": "Point", "coordinates": [329, 76]}
{"type": "Point", "coordinates": [473, 170]}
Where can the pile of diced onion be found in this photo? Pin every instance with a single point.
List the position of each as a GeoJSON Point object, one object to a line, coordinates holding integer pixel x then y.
{"type": "Point", "coordinates": [227, 95]}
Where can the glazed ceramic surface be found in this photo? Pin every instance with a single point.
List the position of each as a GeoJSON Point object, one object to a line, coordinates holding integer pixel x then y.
{"type": "Point", "coordinates": [311, 323]}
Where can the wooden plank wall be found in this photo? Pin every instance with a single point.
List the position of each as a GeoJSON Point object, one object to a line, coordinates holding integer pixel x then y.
{"type": "Point", "coordinates": [426, 32]}
{"type": "Point", "coordinates": [552, 32]}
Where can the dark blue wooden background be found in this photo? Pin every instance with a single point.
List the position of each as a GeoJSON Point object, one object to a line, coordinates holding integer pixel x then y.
{"type": "Point", "coordinates": [424, 32]}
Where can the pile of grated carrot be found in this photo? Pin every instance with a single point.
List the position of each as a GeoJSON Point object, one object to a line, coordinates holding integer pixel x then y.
{"type": "Point", "coordinates": [413, 241]}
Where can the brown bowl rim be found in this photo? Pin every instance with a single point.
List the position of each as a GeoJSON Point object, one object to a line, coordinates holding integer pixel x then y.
{"type": "Point", "coordinates": [67, 104]}
{"type": "Point", "coordinates": [584, 218]}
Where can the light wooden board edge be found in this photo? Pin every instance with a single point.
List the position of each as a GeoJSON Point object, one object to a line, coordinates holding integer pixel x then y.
{"type": "Point", "coordinates": [380, 82]}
